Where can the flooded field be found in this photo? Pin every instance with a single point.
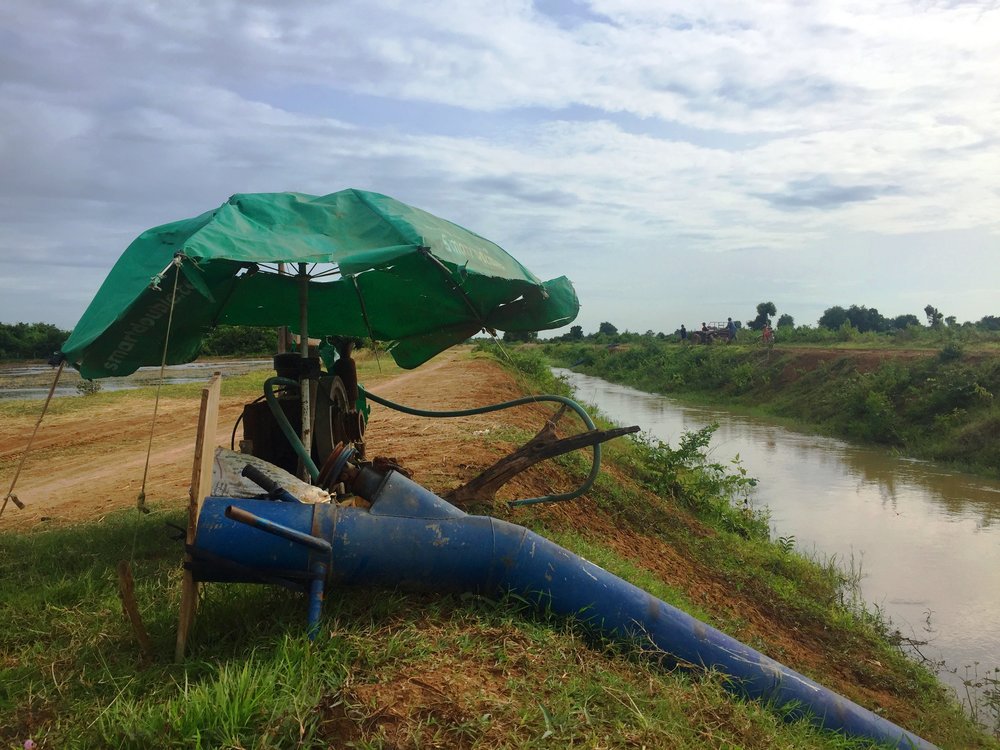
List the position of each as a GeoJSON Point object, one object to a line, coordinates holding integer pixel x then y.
{"type": "Point", "coordinates": [33, 381]}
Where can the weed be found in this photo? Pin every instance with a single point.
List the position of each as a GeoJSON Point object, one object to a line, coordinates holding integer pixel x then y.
{"type": "Point", "coordinates": [88, 387]}
{"type": "Point", "coordinates": [786, 543]}
{"type": "Point", "coordinates": [950, 352]}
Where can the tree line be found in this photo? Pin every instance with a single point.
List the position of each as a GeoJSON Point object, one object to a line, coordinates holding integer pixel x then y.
{"type": "Point", "coordinates": [21, 341]}
{"type": "Point", "coordinates": [858, 318]}
{"type": "Point", "coordinates": [30, 340]}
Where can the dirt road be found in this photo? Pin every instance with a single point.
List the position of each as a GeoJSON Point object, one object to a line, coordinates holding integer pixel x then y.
{"type": "Point", "coordinates": [90, 461]}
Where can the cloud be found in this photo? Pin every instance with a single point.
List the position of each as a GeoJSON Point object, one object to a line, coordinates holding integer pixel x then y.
{"type": "Point", "coordinates": [820, 193]}
{"type": "Point", "coordinates": [587, 138]}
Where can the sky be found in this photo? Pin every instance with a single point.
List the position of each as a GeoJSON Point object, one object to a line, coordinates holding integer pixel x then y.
{"type": "Point", "coordinates": [680, 162]}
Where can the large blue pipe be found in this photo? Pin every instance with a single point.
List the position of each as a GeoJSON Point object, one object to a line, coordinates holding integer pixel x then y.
{"type": "Point", "coordinates": [414, 539]}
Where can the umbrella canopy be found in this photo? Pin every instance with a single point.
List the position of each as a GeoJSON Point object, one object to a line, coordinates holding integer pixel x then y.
{"type": "Point", "coordinates": [378, 268]}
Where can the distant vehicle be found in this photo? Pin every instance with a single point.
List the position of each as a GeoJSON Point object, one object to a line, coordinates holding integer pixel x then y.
{"type": "Point", "coordinates": [712, 332]}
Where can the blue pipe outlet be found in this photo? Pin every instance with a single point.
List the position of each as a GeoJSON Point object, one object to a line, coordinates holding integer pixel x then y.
{"type": "Point", "coordinates": [414, 539]}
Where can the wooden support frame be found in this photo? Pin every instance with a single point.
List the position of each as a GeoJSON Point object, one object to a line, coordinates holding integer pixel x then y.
{"type": "Point", "coordinates": [201, 486]}
{"type": "Point", "coordinates": [545, 444]}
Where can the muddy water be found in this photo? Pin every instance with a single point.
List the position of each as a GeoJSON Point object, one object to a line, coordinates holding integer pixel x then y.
{"type": "Point", "coordinates": [927, 540]}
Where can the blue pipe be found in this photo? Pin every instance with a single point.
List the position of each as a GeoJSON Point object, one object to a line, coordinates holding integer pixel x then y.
{"type": "Point", "coordinates": [414, 539]}
{"type": "Point", "coordinates": [319, 571]}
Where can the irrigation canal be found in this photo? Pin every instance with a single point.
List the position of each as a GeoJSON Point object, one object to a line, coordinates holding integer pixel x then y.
{"type": "Point", "coordinates": [927, 540]}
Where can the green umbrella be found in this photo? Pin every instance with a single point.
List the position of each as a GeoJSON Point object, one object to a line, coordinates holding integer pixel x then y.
{"type": "Point", "coordinates": [376, 268]}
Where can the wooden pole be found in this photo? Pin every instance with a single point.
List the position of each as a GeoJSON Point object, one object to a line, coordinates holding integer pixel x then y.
{"type": "Point", "coordinates": [27, 449]}
{"type": "Point", "coordinates": [304, 349]}
{"type": "Point", "coordinates": [282, 330]}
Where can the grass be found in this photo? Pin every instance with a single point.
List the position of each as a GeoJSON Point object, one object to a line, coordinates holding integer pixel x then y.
{"type": "Point", "coordinates": [403, 670]}
{"type": "Point", "coordinates": [393, 670]}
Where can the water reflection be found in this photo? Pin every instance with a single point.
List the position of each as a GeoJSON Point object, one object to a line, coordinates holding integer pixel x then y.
{"type": "Point", "coordinates": [927, 540]}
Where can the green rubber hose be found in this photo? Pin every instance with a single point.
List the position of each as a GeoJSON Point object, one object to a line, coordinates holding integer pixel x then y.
{"type": "Point", "coordinates": [285, 425]}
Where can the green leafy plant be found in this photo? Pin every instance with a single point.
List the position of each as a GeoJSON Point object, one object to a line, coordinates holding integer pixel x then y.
{"type": "Point", "coordinates": [89, 387]}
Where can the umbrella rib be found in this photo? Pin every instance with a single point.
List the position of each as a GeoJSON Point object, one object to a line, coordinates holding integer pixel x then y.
{"type": "Point", "coordinates": [364, 310]}
{"type": "Point", "coordinates": [364, 317]}
{"type": "Point", "coordinates": [324, 274]}
{"type": "Point", "coordinates": [426, 252]}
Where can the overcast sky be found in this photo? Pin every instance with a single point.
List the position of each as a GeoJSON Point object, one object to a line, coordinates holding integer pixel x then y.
{"type": "Point", "coordinates": [678, 161]}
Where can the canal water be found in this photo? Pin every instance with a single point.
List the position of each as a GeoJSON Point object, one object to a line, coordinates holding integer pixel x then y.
{"type": "Point", "coordinates": [927, 540]}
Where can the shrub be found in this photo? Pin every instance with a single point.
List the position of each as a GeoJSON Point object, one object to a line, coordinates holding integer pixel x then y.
{"type": "Point", "coordinates": [89, 387]}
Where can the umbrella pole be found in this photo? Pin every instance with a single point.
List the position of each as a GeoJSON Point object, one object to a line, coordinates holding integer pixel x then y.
{"type": "Point", "coordinates": [282, 330]}
{"type": "Point", "coordinates": [304, 349]}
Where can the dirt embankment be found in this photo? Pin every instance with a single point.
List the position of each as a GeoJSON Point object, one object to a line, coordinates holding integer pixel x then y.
{"type": "Point", "coordinates": [88, 463]}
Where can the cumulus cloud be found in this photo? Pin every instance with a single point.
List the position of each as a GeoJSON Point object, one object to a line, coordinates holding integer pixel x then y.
{"type": "Point", "coordinates": [582, 136]}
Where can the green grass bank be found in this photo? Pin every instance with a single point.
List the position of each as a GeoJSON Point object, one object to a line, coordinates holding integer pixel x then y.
{"type": "Point", "coordinates": [932, 404]}
{"type": "Point", "coordinates": [398, 670]}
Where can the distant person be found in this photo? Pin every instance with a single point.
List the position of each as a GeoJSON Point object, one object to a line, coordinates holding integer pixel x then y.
{"type": "Point", "coordinates": [704, 328]}
{"type": "Point", "coordinates": [731, 329]}
{"type": "Point", "coordinates": [684, 334]}
{"type": "Point", "coordinates": [767, 336]}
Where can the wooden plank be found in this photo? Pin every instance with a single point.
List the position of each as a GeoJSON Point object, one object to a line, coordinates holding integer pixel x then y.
{"type": "Point", "coordinates": [201, 485]}
{"type": "Point", "coordinates": [204, 452]}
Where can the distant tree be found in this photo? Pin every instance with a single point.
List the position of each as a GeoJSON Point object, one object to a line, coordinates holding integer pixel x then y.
{"type": "Point", "coordinates": [239, 341]}
{"type": "Point", "coordinates": [867, 319]}
{"type": "Point", "coordinates": [608, 329]}
{"type": "Point", "coordinates": [989, 322]}
{"type": "Point", "coordinates": [934, 317]}
{"type": "Point", "coordinates": [833, 318]}
{"type": "Point", "coordinates": [951, 321]}
{"type": "Point", "coordinates": [575, 333]}
{"type": "Point", "coordinates": [786, 321]}
{"type": "Point", "coordinates": [905, 321]}
{"type": "Point", "coordinates": [858, 316]}
{"type": "Point", "coordinates": [765, 310]}
{"type": "Point", "coordinates": [30, 340]}
{"type": "Point", "coordinates": [516, 337]}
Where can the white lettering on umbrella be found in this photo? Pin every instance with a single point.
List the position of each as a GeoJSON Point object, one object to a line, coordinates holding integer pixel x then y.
{"type": "Point", "coordinates": [138, 328]}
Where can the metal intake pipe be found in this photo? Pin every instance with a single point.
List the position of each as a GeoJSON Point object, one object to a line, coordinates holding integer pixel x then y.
{"type": "Point", "coordinates": [414, 539]}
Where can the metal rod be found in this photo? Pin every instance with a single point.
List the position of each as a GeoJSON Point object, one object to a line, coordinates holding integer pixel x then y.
{"type": "Point", "coordinates": [318, 570]}
{"type": "Point", "coordinates": [368, 324]}
{"type": "Point", "coordinates": [271, 527]}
